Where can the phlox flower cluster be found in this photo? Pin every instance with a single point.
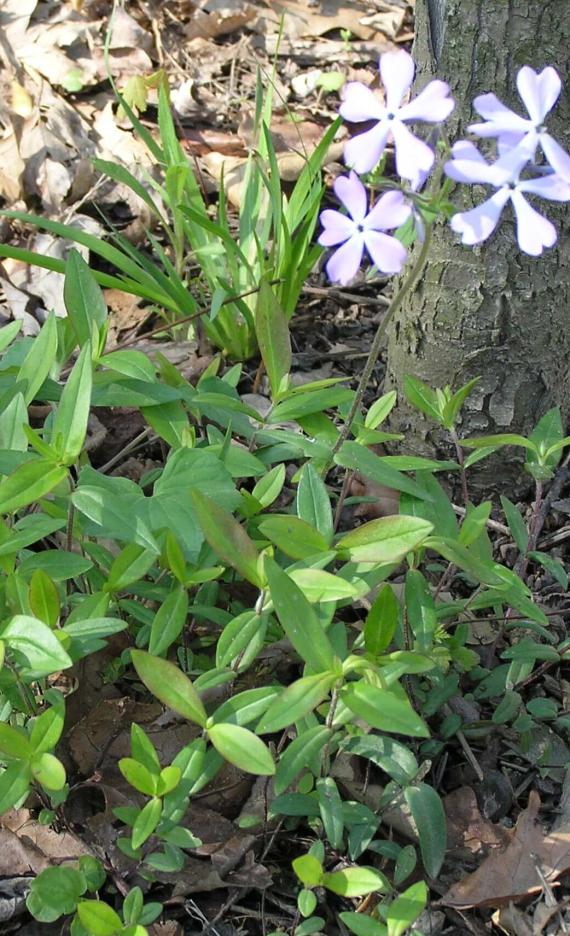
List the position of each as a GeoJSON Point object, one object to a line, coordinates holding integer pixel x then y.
{"type": "Point", "coordinates": [514, 174]}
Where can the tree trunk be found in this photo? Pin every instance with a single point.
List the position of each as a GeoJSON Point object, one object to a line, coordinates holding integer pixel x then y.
{"type": "Point", "coordinates": [489, 311]}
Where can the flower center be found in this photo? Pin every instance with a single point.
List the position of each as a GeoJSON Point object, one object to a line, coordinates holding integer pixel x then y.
{"type": "Point", "coordinates": [390, 116]}
{"type": "Point", "coordinates": [540, 128]}
{"type": "Point", "coordinates": [360, 228]}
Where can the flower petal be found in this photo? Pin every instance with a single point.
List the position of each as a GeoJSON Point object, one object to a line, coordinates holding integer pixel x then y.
{"type": "Point", "coordinates": [533, 231]}
{"type": "Point", "coordinates": [550, 88]}
{"type": "Point", "coordinates": [388, 254]}
{"type": "Point", "coordinates": [344, 263]}
{"type": "Point", "coordinates": [477, 225]}
{"type": "Point", "coordinates": [465, 149]}
{"type": "Point", "coordinates": [389, 212]}
{"type": "Point", "coordinates": [360, 103]}
{"type": "Point", "coordinates": [432, 104]}
{"type": "Point", "coordinates": [557, 157]}
{"type": "Point", "coordinates": [363, 152]}
{"type": "Point", "coordinates": [350, 191]}
{"type": "Point", "coordinates": [552, 187]}
{"type": "Point", "coordinates": [337, 228]}
{"type": "Point", "coordinates": [397, 71]}
{"type": "Point", "coordinates": [498, 118]}
{"type": "Point", "coordinates": [539, 91]}
{"type": "Point", "coordinates": [413, 156]}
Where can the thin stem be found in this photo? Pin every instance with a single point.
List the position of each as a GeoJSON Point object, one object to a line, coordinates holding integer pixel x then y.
{"type": "Point", "coordinates": [405, 289]}
{"type": "Point", "coordinates": [461, 461]}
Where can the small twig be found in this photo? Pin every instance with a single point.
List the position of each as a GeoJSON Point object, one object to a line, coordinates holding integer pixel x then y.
{"type": "Point", "coordinates": [347, 480]}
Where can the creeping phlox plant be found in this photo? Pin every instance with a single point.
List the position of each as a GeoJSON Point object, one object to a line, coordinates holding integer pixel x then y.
{"type": "Point", "coordinates": [333, 654]}
{"type": "Point", "coordinates": [514, 174]}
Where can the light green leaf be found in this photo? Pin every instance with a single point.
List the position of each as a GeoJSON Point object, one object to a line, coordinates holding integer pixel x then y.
{"type": "Point", "coordinates": [294, 537]}
{"type": "Point", "coordinates": [313, 502]}
{"type": "Point", "coordinates": [28, 483]}
{"type": "Point", "coordinates": [242, 748]}
{"type": "Point", "coordinates": [48, 771]}
{"type": "Point", "coordinates": [70, 423]}
{"type": "Point", "coordinates": [388, 539]}
{"type": "Point", "coordinates": [516, 524]}
{"type": "Point", "coordinates": [296, 701]}
{"type": "Point", "coordinates": [170, 686]}
{"type": "Point", "coordinates": [38, 643]}
{"type": "Point", "coordinates": [83, 298]}
{"type": "Point", "coordinates": [39, 359]}
{"type": "Point", "coordinates": [384, 710]}
{"type": "Point", "coordinates": [168, 621]}
{"type": "Point", "coordinates": [355, 882]}
{"type": "Point", "coordinates": [381, 621]}
{"type": "Point", "coordinates": [420, 608]}
{"type": "Point", "coordinates": [298, 754]}
{"type": "Point", "coordinates": [99, 919]}
{"type": "Point", "coordinates": [406, 908]}
{"type": "Point", "coordinates": [423, 398]}
{"type": "Point", "coordinates": [146, 822]}
{"type": "Point", "coordinates": [309, 870]}
{"type": "Point", "coordinates": [272, 331]}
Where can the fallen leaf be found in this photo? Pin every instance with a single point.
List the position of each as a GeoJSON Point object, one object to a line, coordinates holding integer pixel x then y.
{"type": "Point", "coordinates": [467, 828]}
{"type": "Point", "coordinates": [510, 874]}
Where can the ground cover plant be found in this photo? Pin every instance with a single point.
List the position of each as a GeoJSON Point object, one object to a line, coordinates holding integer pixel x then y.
{"type": "Point", "coordinates": [326, 660]}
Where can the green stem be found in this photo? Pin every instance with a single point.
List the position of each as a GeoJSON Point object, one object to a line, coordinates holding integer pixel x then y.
{"type": "Point", "coordinates": [405, 289]}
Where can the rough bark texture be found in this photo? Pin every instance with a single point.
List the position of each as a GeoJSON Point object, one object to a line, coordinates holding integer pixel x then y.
{"type": "Point", "coordinates": [489, 311]}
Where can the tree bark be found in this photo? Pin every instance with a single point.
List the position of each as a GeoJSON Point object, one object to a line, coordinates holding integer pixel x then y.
{"type": "Point", "coordinates": [489, 311]}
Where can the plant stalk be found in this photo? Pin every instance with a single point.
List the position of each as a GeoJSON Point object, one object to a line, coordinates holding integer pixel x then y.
{"type": "Point", "coordinates": [405, 289]}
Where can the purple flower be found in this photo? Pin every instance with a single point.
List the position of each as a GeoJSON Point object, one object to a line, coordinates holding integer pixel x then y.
{"type": "Point", "coordinates": [359, 230]}
{"type": "Point", "coordinates": [533, 231]}
{"type": "Point", "coordinates": [539, 93]}
{"type": "Point", "coordinates": [433, 105]}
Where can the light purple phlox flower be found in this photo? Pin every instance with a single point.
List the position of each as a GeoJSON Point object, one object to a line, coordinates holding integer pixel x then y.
{"type": "Point", "coordinates": [539, 92]}
{"type": "Point", "coordinates": [432, 104]}
{"type": "Point", "coordinates": [361, 230]}
{"type": "Point", "coordinates": [533, 231]}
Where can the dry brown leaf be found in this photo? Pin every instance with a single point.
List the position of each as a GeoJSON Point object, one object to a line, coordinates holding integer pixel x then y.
{"type": "Point", "coordinates": [27, 847]}
{"type": "Point", "coordinates": [303, 20]}
{"type": "Point", "coordinates": [219, 18]}
{"type": "Point", "coordinates": [467, 828]}
{"type": "Point", "coordinates": [511, 874]}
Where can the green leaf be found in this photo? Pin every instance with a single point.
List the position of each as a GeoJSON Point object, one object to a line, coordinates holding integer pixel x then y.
{"type": "Point", "coordinates": [44, 598]}
{"type": "Point", "coordinates": [8, 333]}
{"type": "Point", "coordinates": [133, 905]}
{"type": "Point", "coordinates": [48, 771]}
{"type": "Point", "coordinates": [29, 482]}
{"type": "Point", "coordinates": [227, 537]}
{"type": "Point", "coordinates": [99, 919]}
{"type": "Point", "coordinates": [139, 776]}
{"type": "Point", "coordinates": [132, 564]}
{"type": "Point", "coordinates": [474, 523]}
{"type": "Point", "coordinates": [421, 610]}
{"type": "Point", "coordinates": [429, 818]}
{"type": "Point", "coordinates": [54, 893]}
{"type": "Point", "coordinates": [381, 621]}
{"type": "Point", "coordinates": [242, 748]}
{"type": "Point", "coordinates": [47, 729]}
{"type": "Point", "coordinates": [13, 418]}
{"type": "Point", "coordinates": [423, 398]}
{"type": "Point", "coordinates": [384, 710]}
{"type": "Point", "coordinates": [296, 701]}
{"type": "Point", "coordinates": [359, 458]}
{"type": "Point", "coordinates": [143, 750]}
{"type": "Point", "coordinates": [380, 409]}
{"type": "Point", "coordinates": [168, 621]}
{"type": "Point", "coordinates": [272, 331]}
{"type": "Point", "coordinates": [70, 423]}
{"type": "Point", "coordinates": [453, 407]}
{"type": "Point", "coordinates": [505, 438]}
{"type": "Point", "coordinates": [355, 882]}
{"type": "Point", "coordinates": [146, 822]}
{"type": "Point", "coordinates": [318, 585]}
{"type": "Point", "coordinates": [14, 742]}
{"type": "Point", "coordinates": [553, 566]}
{"type": "Point", "coordinates": [298, 620]}
{"type": "Point", "coordinates": [243, 635]}
{"type": "Point", "coordinates": [313, 502]}
{"type": "Point", "coordinates": [309, 870]}
{"type": "Point", "coordinates": [83, 298]}
{"type": "Point", "coordinates": [294, 537]}
{"type": "Point", "coordinates": [168, 780]}
{"type": "Point", "coordinates": [298, 754]}
{"type": "Point", "coordinates": [14, 785]}
{"type": "Point", "coordinates": [516, 524]}
{"type": "Point", "coordinates": [38, 643]}
{"type": "Point", "coordinates": [362, 925]}
{"type": "Point", "coordinates": [304, 403]}
{"type": "Point", "coordinates": [269, 487]}
{"type": "Point", "coordinates": [406, 908]}
{"type": "Point", "coordinates": [170, 686]}
{"type": "Point", "coordinates": [392, 757]}
{"type": "Point", "coordinates": [388, 539]}
{"type": "Point", "coordinates": [330, 807]}
{"type": "Point", "coordinates": [39, 359]}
